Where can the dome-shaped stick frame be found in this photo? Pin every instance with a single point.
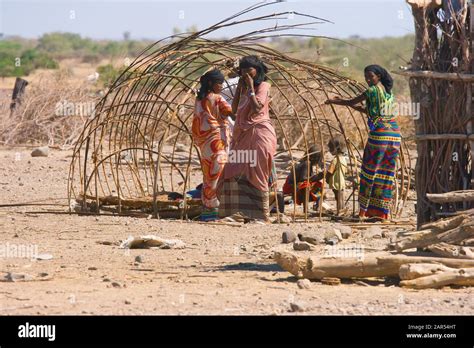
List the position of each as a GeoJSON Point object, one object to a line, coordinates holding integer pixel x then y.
{"type": "Point", "coordinates": [139, 144]}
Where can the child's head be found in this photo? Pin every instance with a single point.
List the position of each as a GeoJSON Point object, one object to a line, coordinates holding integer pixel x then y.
{"type": "Point", "coordinates": [315, 154]}
{"type": "Point", "coordinates": [211, 81]}
{"type": "Point", "coordinates": [337, 145]}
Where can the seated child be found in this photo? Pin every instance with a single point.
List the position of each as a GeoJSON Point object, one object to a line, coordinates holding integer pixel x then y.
{"type": "Point", "coordinates": [305, 183]}
{"type": "Point", "coordinates": [336, 173]}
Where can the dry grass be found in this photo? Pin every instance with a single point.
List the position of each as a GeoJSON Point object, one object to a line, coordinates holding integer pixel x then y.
{"type": "Point", "coordinates": [39, 119]}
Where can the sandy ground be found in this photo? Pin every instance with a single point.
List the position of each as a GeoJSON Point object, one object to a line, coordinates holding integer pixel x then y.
{"type": "Point", "coordinates": [223, 270]}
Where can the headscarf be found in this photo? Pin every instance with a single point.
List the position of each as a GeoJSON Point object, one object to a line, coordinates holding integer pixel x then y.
{"type": "Point", "coordinates": [385, 77]}
{"type": "Point", "coordinates": [254, 62]}
{"type": "Point", "coordinates": [207, 80]}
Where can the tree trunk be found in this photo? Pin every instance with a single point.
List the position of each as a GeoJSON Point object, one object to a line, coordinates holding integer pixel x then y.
{"type": "Point", "coordinates": [317, 268]}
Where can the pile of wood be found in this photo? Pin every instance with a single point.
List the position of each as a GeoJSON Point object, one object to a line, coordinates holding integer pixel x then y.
{"type": "Point", "coordinates": [451, 237]}
{"type": "Point", "coordinates": [417, 272]}
{"type": "Point", "coordinates": [441, 76]}
{"type": "Point", "coordinates": [444, 256]}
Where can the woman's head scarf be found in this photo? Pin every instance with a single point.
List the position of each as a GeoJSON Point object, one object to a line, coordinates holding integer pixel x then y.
{"type": "Point", "coordinates": [254, 62]}
{"type": "Point", "coordinates": [385, 78]}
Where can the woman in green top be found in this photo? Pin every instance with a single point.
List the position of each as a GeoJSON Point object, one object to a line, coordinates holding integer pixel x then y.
{"type": "Point", "coordinates": [377, 175]}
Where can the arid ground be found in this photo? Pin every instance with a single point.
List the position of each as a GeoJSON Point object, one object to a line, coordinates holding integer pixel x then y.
{"type": "Point", "coordinates": [223, 269]}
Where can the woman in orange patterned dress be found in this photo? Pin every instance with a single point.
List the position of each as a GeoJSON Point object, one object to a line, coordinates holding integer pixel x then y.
{"type": "Point", "coordinates": [211, 133]}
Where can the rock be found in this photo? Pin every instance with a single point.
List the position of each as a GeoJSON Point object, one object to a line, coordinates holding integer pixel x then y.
{"type": "Point", "coordinates": [44, 257]}
{"type": "Point", "coordinates": [15, 277]}
{"type": "Point", "coordinates": [310, 237]}
{"type": "Point", "coordinates": [92, 268]}
{"type": "Point", "coordinates": [24, 277]}
{"type": "Point", "coordinates": [297, 307]}
{"type": "Point", "coordinates": [288, 237]}
{"type": "Point", "coordinates": [283, 219]}
{"type": "Point", "coordinates": [139, 259]}
{"type": "Point", "coordinates": [332, 241]}
{"type": "Point", "coordinates": [332, 233]}
{"type": "Point", "coordinates": [346, 231]}
{"type": "Point", "coordinates": [116, 285]}
{"type": "Point", "coordinates": [128, 302]}
{"type": "Point", "coordinates": [180, 148]}
{"type": "Point", "coordinates": [40, 152]}
{"type": "Point", "coordinates": [301, 246]}
{"type": "Point", "coordinates": [126, 156]}
{"type": "Point", "coordinates": [373, 232]}
{"type": "Point", "coordinates": [304, 283]}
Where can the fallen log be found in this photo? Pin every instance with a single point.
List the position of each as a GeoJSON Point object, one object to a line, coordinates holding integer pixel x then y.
{"type": "Point", "coordinates": [468, 242]}
{"type": "Point", "coordinates": [445, 224]}
{"type": "Point", "coordinates": [453, 236]}
{"type": "Point", "coordinates": [399, 260]}
{"type": "Point", "coordinates": [372, 265]}
{"type": "Point", "coordinates": [463, 276]}
{"type": "Point", "coordinates": [459, 234]}
{"type": "Point", "coordinates": [448, 250]}
{"type": "Point", "coordinates": [411, 271]}
{"type": "Point", "coordinates": [318, 268]}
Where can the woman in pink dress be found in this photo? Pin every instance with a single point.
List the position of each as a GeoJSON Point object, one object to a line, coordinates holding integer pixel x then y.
{"type": "Point", "coordinates": [244, 185]}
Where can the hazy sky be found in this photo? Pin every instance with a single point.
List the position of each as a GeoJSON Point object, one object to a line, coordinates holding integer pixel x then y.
{"type": "Point", "coordinates": [154, 19]}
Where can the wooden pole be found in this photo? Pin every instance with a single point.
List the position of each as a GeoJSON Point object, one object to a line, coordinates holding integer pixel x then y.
{"type": "Point", "coordinates": [436, 75]}
{"type": "Point", "coordinates": [469, 106]}
{"type": "Point", "coordinates": [18, 90]}
{"type": "Point", "coordinates": [454, 196]}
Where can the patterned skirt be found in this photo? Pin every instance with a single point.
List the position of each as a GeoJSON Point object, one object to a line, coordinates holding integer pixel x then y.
{"type": "Point", "coordinates": [377, 175]}
{"type": "Point", "coordinates": [238, 195]}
